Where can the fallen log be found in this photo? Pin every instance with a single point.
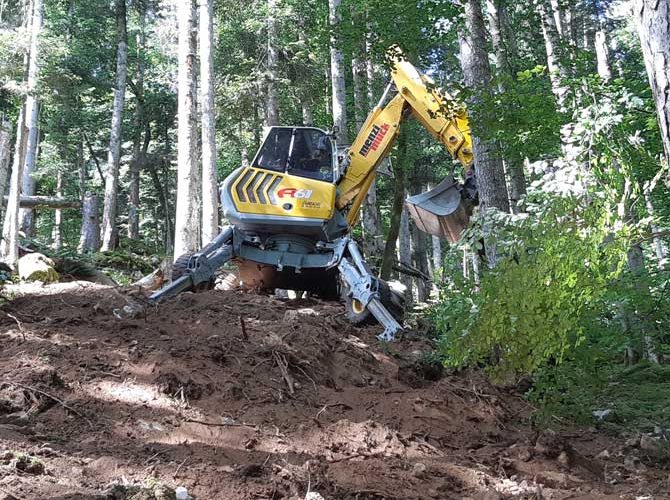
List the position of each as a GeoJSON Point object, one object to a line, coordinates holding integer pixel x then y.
{"type": "Point", "coordinates": [46, 201]}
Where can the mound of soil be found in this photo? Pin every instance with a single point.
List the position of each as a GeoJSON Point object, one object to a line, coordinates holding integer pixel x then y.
{"type": "Point", "coordinates": [238, 396]}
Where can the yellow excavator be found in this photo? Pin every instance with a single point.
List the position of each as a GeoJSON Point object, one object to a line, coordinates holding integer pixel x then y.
{"type": "Point", "coordinates": [292, 209]}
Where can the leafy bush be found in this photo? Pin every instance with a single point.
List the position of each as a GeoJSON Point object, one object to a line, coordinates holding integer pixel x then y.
{"type": "Point", "coordinates": [553, 272]}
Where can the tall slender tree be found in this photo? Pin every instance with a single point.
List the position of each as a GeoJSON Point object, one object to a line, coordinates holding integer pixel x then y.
{"type": "Point", "coordinates": [109, 228]}
{"type": "Point", "coordinates": [498, 19]}
{"type": "Point", "coordinates": [371, 217]}
{"type": "Point", "coordinates": [477, 76]}
{"type": "Point", "coordinates": [9, 247]}
{"type": "Point", "coordinates": [5, 154]}
{"type": "Point", "coordinates": [210, 204]}
{"type": "Point", "coordinates": [272, 105]}
{"type": "Point", "coordinates": [337, 69]}
{"type": "Point", "coordinates": [138, 119]}
{"type": "Point", "coordinates": [187, 216]}
{"type": "Point", "coordinates": [31, 116]}
{"type": "Point", "coordinates": [553, 46]}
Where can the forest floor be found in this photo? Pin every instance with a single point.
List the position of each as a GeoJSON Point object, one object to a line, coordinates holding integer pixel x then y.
{"type": "Point", "coordinates": [238, 396]}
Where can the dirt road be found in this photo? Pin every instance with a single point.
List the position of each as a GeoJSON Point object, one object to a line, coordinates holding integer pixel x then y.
{"type": "Point", "coordinates": [237, 396]}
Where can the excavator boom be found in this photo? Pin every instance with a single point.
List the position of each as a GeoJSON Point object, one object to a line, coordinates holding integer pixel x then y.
{"type": "Point", "coordinates": [440, 213]}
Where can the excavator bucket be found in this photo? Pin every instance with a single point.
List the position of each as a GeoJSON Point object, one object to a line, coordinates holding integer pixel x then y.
{"type": "Point", "coordinates": [442, 211]}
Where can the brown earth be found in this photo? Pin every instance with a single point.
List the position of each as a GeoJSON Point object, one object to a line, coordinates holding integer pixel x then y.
{"type": "Point", "coordinates": [237, 396]}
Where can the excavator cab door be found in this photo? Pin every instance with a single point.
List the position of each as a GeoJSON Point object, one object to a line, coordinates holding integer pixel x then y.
{"type": "Point", "coordinates": [445, 210]}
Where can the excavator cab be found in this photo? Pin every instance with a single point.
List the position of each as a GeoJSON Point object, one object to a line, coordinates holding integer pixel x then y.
{"type": "Point", "coordinates": [301, 151]}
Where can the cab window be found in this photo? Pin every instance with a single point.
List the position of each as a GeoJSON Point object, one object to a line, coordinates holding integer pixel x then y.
{"type": "Point", "coordinates": [311, 155]}
{"type": "Point", "coordinates": [275, 149]}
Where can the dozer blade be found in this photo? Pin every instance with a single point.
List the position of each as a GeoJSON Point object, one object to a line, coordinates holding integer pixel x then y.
{"type": "Point", "coordinates": [442, 211]}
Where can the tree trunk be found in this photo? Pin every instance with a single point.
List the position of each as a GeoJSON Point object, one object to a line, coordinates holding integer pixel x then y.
{"type": "Point", "coordinates": [186, 217]}
{"type": "Point", "coordinates": [89, 239]}
{"type": "Point", "coordinates": [493, 9]}
{"type": "Point", "coordinates": [420, 262]}
{"type": "Point", "coordinates": [396, 208]}
{"type": "Point", "coordinates": [5, 150]}
{"type": "Point", "coordinates": [559, 21]}
{"type": "Point", "coordinates": [552, 44]}
{"type": "Point", "coordinates": [653, 24]}
{"type": "Point", "coordinates": [272, 108]}
{"type": "Point", "coordinates": [81, 169]}
{"type": "Point", "coordinates": [9, 247]}
{"type": "Point", "coordinates": [405, 254]}
{"type": "Point", "coordinates": [357, 72]}
{"type": "Point", "coordinates": [659, 246]}
{"type": "Point", "coordinates": [307, 117]}
{"type": "Point", "coordinates": [210, 203]}
{"type": "Point", "coordinates": [477, 76]}
{"type": "Point", "coordinates": [31, 115]}
{"type": "Point", "coordinates": [109, 229]}
{"type": "Point", "coordinates": [602, 56]}
{"type": "Point", "coordinates": [52, 202]}
{"type": "Point", "coordinates": [371, 217]}
{"type": "Point", "coordinates": [56, 236]}
{"type": "Point", "coordinates": [499, 30]}
{"type": "Point", "coordinates": [337, 73]}
{"type": "Point", "coordinates": [134, 188]}
{"type": "Point", "coordinates": [437, 258]}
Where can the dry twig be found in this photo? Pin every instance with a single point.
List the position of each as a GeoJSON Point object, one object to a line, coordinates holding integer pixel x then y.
{"type": "Point", "coordinates": [54, 398]}
{"type": "Point", "coordinates": [283, 367]}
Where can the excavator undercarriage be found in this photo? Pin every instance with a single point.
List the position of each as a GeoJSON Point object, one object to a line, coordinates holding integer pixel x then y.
{"type": "Point", "coordinates": [285, 260]}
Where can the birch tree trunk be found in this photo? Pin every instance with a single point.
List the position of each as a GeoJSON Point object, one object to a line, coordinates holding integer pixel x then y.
{"type": "Point", "coordinates": [9, 247]}
{"type": "Point", "coordinates": [186, 217]}
{"type": "Point", "coordinates": [5, 150]}
{"type": "Point", "coordinates": [337, 73]}
{"type": "Point", "coordinates": [653, 25]}
{"type": "Point", "coordinates": [31, 115]}
{"type": "Point", "coordinates": [109, 230]}
{"type": "Point", "coordinates": [210, 203]}
{"type": "Point", "coordinates": [272, 108]}
{"type": "Point", "coordinates": [552, 44]}
{"type": "Point", "coordinates": [136, 162]}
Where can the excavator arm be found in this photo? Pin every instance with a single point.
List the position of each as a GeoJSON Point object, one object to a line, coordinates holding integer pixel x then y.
{"type": "Point", "coordinates": [414, 96]}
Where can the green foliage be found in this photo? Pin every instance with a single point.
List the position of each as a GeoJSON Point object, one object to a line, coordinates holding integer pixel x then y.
{"type": "Point", "coordinates": [125, 261]}
{"type": "Point", "coordinates": [637, 396]}
{"type": "Point", "coordinates": [534, 306]}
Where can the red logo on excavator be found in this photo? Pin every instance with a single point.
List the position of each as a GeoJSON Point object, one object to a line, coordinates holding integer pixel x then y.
{"type": "Point", "coordinates": [295, 193]}
{"type": "Point", "coordinates": [374, 139]}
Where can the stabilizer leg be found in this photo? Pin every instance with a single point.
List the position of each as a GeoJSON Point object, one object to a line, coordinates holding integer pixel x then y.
{"type": "Point", "coordinates": [363, 287]}
{"type": "Point", "coordinates": [201, 268]}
